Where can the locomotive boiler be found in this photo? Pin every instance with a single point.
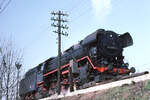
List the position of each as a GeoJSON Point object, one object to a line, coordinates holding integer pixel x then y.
{"type": "Point", "coordinates": [98, 57]}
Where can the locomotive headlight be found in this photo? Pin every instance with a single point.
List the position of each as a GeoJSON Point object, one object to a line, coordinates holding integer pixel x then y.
{"type": "Point", "coordinates": [110, 35]}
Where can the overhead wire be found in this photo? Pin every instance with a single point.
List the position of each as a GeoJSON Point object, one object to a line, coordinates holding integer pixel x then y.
{"type": "Point", "coordinates": [36, 39]}
{"type": "Point", "coordinates": [5, 6]}
{"type": "Point", "coordinates": [70, 11]}
{"type": "Point", "coordinates": [1, 4]}
{"type": "Point", "coordinates": [76, 6]}
{"type": "Point", "coordinates": [81, 14]}
{"type": "Point", "coordinates": [79, 10]}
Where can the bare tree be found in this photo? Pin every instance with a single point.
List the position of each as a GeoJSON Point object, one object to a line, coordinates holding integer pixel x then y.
{"type": "Point", "coordinates": [8, 70]}
{"type": "Point", "coordinates": [1, 74]}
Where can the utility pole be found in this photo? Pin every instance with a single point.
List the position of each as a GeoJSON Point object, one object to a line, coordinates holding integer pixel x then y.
{"type": "Point", "coordinates": [59, 20]}
{"type": "Point", "coordinates": [18, 66]}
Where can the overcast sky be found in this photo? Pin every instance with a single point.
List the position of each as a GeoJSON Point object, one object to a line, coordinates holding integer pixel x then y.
{"type": "Point", "coordinates": [28, 23]}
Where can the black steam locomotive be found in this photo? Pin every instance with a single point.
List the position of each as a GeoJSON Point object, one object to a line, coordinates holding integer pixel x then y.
{"type": "Point", "coordinates": [98, 57]}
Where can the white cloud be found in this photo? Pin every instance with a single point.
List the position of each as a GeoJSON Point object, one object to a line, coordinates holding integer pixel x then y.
{"type": "Point", "coordinates": [101, 8]}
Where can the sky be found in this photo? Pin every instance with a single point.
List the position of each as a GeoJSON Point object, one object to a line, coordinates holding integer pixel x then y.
{"type": "Point", "coordinates": [28, 23]}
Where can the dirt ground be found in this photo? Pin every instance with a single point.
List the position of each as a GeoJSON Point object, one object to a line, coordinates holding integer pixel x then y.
{"type": "Point", "coordinates": [134, 91]}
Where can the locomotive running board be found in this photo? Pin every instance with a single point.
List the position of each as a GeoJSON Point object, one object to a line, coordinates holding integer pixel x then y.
{"type": "Point", "coordinates": [100, 69]}
{"type": "Point", "coordinates": [66, 65]}
{"type": "Point", "coordinates": [106, 86]}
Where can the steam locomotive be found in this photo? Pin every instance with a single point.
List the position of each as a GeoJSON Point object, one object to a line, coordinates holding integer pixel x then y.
{"type": "Point", "coordinates": [96, 58]}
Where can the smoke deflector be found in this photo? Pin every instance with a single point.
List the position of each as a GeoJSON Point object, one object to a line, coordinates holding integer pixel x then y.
{"type": "Point", "coordinates": [126, 40]}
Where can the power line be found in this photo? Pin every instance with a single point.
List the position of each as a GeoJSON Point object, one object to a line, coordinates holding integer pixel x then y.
{"type": "Point", "coordinates": [1, 3]}
{"type": "Point", "coordinates": [76, 6]}
{"type": "Point", "coordinates": [6, 5]}
{"type": "Point", "coordinates": [79, 10]}
{"type": "Point", "coordinates": [36, 39]}
{"type": "Point", "coordinates": [81, 15]}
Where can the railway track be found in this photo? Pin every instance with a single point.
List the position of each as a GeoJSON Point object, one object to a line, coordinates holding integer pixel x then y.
{"type": "Point", "coordinates": [92, 87]}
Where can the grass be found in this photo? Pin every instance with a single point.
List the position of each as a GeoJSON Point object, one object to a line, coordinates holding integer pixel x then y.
{"type": "Point", "coordinates": [134, 91]}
